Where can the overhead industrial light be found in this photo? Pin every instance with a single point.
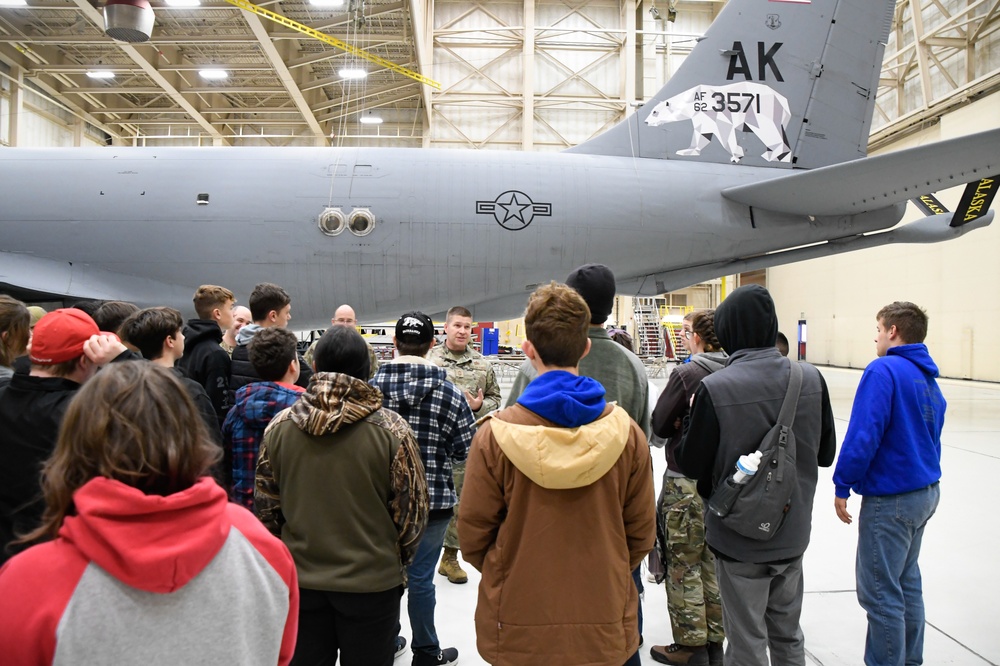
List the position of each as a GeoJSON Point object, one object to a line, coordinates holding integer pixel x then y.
{"type": "Point", "coordinates": [13, 3]}
{"type": "Point", "coordinates": [370, 118]}
{"type": "Point", "coordinates": [326, 3]}
{"type": "Point", "coordinates": [213, 74]}
{"type": "Point", "coordinates": [183, 3]}
{"type": "Point", "coordinates": [128, 20]}
{"type": "Point", "coordinates": [352, 73]}
{"type": "Point", "coordinates": [101, 74]}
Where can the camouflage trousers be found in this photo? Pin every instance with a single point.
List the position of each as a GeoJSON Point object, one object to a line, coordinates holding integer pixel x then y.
{"type": "Point", "coordinates": [458, 475]}
{"type": "Point", "coordinates": [693, 599]}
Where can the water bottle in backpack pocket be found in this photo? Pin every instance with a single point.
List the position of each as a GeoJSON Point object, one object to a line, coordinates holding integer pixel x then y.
{"type": "Point", "coordinates": [757, 507]}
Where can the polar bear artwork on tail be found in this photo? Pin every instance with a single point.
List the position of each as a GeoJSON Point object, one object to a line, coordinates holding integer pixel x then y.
{"type": "Point", "coordinates": [722, 111]}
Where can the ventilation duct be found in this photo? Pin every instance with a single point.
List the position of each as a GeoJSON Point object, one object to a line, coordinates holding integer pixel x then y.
{"type": "Point", "coordinates": [128, 20]}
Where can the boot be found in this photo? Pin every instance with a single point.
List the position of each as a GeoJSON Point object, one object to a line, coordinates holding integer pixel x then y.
{"type": "Point", "coordinates": [680, 655]}
{"type": "Point", "coordinates": [450, 567]}
{"type": "Point", "coordinates": [715, 653]}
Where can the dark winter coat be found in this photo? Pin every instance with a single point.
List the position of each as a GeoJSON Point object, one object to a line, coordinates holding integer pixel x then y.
{"type": "Point", "coordinates": [242, 371]}
{"type": "Point", "coordinates": [207, 363]}
{"type": "Point", "coordinates": [733, 410]}
{"type": "Point", "coordinates": [31, 411]}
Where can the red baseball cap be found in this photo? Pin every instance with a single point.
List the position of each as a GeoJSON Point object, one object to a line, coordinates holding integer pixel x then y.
{"type": "Point", "coordinates": [59, 336]}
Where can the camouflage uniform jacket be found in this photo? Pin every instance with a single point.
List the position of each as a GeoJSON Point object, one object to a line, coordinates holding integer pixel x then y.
{"type": "Point", "coordinates": [340, 480]}
{"type": "Point", "coordinates": [470, 372]}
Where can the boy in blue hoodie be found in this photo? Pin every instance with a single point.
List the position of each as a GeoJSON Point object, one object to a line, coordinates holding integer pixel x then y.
{"type": "Point", "coordinates": [558, 507]}
{"type": "Point", "coordinates": [892, 457]}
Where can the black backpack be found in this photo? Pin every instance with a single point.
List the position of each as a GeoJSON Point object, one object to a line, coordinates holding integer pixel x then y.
{"type": "Point", "coordinates": [757, 509]}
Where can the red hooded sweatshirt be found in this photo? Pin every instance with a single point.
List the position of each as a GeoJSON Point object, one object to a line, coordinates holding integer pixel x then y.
{"type": "Point", "coordinates": [146, 579]}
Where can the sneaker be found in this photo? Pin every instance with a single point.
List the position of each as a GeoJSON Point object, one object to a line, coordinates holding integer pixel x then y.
{"type": "Point", "coordinates": [443, 658]}
{"type": "Point", "coordinates": [400, 647]}
{"type": "Point", "coordinates": [715, 653]}
{"type": "Point", "coordinates": [680, 655]}
{"type": "Point", "coordinates": [451, 568]}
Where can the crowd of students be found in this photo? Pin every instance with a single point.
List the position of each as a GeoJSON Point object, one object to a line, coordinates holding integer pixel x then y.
{"type": "Point", "coordinates": [197, 491]}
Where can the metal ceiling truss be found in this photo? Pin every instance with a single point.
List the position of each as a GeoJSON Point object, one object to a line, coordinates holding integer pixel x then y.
{"type": "Point", "coordinates": [534, 74]}
{"type": "Point", "coordinates": [941, 55]}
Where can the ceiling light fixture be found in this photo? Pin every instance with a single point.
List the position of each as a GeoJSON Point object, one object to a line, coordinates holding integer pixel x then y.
{"type": "Point", "coordinates": [370, 119]}
{"type": "Point", "coordinates": [352, 73]}
{"type": "Point", "coordinates": [13, 3]}
{"type": "Point", "coordinates": [214, 74]}
{"type": "Point", "coordinates": [183, 3]}
{"type": "Point", "coordinates": [101, 74]}
{"type": "Point", "coordinates": [326, 3]}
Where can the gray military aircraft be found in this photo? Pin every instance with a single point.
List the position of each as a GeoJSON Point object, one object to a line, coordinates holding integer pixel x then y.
{"type": "Point", "coordinates": [752, 155]}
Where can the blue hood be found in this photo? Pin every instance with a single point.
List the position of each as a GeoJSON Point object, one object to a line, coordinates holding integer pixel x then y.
{"type": "Point", "coordinates": [918, 355]}
{"type": "Point", "coordinates": [564, 398]}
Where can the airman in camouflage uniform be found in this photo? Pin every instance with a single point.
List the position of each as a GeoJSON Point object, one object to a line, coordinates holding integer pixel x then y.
{"type": "Point", "coordinates": [344, 316]}
{"type": "Point", "coordinates": [692, 589]}
{"type": "Point", "coordinates": [693, 598]}
{"type": "Point", "coordinates": [472, 373]}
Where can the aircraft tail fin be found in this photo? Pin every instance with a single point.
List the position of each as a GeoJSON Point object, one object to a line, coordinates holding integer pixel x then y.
{"type": "Point", "coordinates": [777, 83]}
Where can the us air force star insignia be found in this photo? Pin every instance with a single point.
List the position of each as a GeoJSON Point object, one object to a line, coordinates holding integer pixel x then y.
{"type": "Point", "coordinates": [513, 210]}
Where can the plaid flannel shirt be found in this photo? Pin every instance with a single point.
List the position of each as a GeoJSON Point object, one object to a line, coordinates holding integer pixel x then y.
{"type": "Point", "coordinates": [243, 431]}
{"type": "Point", "coordinates": [439, 415]}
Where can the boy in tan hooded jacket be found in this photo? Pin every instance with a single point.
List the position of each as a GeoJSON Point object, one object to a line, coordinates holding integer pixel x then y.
{"type": "Point", "coordinates": [559, 509]}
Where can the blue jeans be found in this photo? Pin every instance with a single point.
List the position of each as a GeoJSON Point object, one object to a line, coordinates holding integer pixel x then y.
{"type": "Point", "coordinates": [637, 579]}
{"type": "Point", "coordinates": [421, 598]}
{"type": "Point", "coordinates": [890, 530]}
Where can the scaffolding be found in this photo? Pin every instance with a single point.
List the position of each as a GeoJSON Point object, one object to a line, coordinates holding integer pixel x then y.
{"type": "Point", "coordinates": [648, 327]}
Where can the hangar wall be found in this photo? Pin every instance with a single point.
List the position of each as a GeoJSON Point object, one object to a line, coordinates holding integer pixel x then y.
{"type": "Point", "coordinates": [954, 281]}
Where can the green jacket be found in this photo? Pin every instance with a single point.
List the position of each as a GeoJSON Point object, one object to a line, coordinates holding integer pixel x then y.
{"type": "Point", "coordinates": [339, 479]}
{"type": "Point", "coordinates": [620, 372]}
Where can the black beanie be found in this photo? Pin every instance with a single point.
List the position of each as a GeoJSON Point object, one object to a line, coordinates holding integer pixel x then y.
{"type": "Point", "coordinates": [596, 284]}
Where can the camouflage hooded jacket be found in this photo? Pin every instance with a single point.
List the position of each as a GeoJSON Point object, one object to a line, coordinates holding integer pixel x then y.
{"type": "Point", "coordinates": [340, 480]}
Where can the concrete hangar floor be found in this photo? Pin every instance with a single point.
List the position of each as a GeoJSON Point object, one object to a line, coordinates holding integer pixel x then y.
{"type": "Point", "coordinates": [958, 558]}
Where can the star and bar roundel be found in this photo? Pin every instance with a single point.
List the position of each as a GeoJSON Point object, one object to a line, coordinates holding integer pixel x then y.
{"type": "Point", "coordinates": [513, 210]}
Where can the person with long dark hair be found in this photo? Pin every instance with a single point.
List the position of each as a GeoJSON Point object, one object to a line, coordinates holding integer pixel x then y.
{"type": "Point", "coordinates": [15, 331]}
{"type": "Point", "coordinates": [139, 557]}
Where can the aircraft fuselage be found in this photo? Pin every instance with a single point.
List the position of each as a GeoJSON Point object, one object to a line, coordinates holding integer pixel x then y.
{"type": "Point", "coordinates": [450, 227]}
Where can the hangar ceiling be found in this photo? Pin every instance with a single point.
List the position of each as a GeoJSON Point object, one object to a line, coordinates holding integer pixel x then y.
{"type": "Point", "coordinates": [586, 63]}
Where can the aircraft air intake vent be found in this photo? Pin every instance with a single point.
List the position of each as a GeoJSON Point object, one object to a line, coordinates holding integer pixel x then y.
{"type": "Point", "coordinates": [362, 222]}
{"type": "Point", "coordinates": [332, 221]}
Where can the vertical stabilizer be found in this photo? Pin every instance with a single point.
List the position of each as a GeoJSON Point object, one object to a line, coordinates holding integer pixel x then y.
{"type": "Point", "coordinates": [778, 83]}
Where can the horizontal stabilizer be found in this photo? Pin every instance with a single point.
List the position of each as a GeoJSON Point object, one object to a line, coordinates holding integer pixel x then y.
{"type": "Point", "coordinates": [876, 182]}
